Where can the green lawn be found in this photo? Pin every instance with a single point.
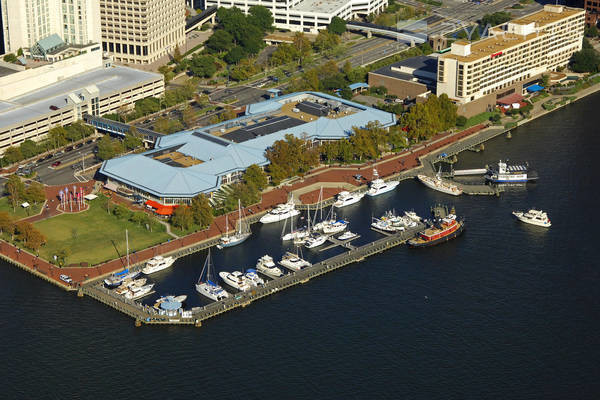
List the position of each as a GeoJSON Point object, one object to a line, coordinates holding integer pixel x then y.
{"type": "Point", "coordinates": [88, 235]}
{"type": "Point", "coordinates": [20, 212]}
{"type": "Point", "coordinates": [478, 119]}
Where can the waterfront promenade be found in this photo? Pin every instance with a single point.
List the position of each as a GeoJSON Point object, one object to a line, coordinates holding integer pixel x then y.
{"type": "Point", "coordinates": [403, 165]}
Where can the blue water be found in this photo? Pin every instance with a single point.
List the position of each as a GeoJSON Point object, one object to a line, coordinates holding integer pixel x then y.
{"type": "Point", "coordinates": [507, 310]}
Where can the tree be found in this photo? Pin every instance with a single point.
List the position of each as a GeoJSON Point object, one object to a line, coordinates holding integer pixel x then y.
{"type": "Point", "coordinates": [167, 73]}
{"type": "Point", "coordinates": [244, 70]}
{"type": "Point", "coordinates": [161, 125]}
{"type": "Point", "coordinates": [586, 60]}
{"type": "Point", "coordinates": [284, 54]}
{"type": "Point", "coordinates": [203, 65]}
{"type": "Point", "coordinates": [7, 225]}
{"type": "Point", "coordinates": [591, 31]}
{"type": "Point", "coordinates": [461, 121]}
{"type": "Point", "coordinates": [35, 193]}
{"type": "Point", "coordinates": [235, 55]}
{"type": "Point", "coordinates": [426, 48]}
{"type": "Point", "coordinates": [106, 148]}
{"type": "Point", "coordinates": [139, 218]}
{"type": "Point", "coordinates": [201, 210]}
{"type": "Point", "coordinates": [188, 115]}
{"type": "Point", "coordinates": [261, 17]}
{"type": "Point", "coordinates": [14, 187]}
{"type": "Point", "coordinates": [302, 45]}
{"type": "Point", "coordinates": [182, 217]}
{"type": "Point", "coordinates": [57, 136]}
{"type": "Point", "coordinates": [10, 58]}
{"type": "Point", "coordinates": [290, 157]}
{"type": "Point", "coordinates": [20, 52]}
{"type": "Point", "coordinates": [177, 57]}
{"type": "Point", "coordinates": [325, 41]}
{"type": "Point", "coordinates": [220, 41]}
{"type": "Point", "coordinates": [426, 119]}
{"type": "Point", "coordinates": [254, 175]}
{"type": "Point", "coordinates": [12, 155]}
{"type": "Point", "coordinates": [132, 141]}
{"type": "Point", "coordinates": [496, 18]}
{"type": "Point", "coordinates": [28, 149]}
{"type": "Point", "coordinates": [337, 26]}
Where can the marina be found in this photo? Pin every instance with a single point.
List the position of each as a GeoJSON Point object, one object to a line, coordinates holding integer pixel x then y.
{"type": "Point", "coordinates": [144, 314]}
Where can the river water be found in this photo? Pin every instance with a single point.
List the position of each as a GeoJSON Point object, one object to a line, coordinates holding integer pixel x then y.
{"type": "Point", "coordinates": [507, 310]}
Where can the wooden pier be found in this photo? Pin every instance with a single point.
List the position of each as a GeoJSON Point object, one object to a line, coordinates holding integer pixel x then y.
{"type": "Point", "coordinates": [148, 315]}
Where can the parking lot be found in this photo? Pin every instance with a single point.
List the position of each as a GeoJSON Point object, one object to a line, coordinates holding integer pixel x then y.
{"type": "Point", "coordinates": [242, 95]}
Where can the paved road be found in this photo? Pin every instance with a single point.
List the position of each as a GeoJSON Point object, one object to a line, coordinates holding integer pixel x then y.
{"type": "Point", "coordinates": [64, 173]}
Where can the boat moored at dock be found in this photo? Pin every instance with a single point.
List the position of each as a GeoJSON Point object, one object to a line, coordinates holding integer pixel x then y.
{"type": "Point", "coordinates": [280, 213]}
{"type": "Point", "coordinates": [443, 227]}
{"type": "Point", "coordinates": [533, 217]}
{"type": "Point", "coordinates": [207, 285]}
{"type": "Point", "coordinates": [346, 198]}
{"type": "Point", "coordinates": [266, 265]}
{"type": "Point", "coordinates": [511, 173]}
{"type": "Point", "coordinates": [253, 278]}
{"type": "Point", "coordinates": [157, 263]}
{"type": "Point", "coordinates": [437, 183]}
{"type": "Point", "coordinates": [115, 280]}
{"type": "Point", "coordinates": [236, 280]}
{"type": "Point", "coordinates": [135, 292]}
{"type": "Point", "coordinates": [294, 262]}
{"type": "Point", "coordinates": [379, 186]}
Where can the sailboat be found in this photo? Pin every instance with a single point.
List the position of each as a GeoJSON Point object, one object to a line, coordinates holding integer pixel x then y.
{"type": "Point", "coordinates": [314, 238]}
{"type": "Point", "coordinates": [242, 233]}
{"type": "Point", "coordinates": [295, 233]}
{"type": "Point", "coordinates": [206, 285]}
{"type": "Point", "coordinates": [294, 261]}
{"type": "Point", "coordinates": [116, 279]}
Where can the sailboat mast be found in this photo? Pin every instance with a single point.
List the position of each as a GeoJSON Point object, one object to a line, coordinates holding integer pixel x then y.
{"type": "Point", "coordinates": [239, 217]}
{"type": "Point", "coordinates": [127, 243]}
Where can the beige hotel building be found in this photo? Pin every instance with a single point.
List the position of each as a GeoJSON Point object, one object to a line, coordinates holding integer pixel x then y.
{"type": "Point", "coordinates": [141, 31]}
{"type": "Point", "coordinates": [476, 74]}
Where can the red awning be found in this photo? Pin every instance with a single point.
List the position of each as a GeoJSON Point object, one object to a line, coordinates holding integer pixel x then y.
{"type": "Point", "coordinates": [162, 209]}
{"type": "Point", "coordinates": [510, 99]}
{"type": "Point", "coordinates": [166, 210]}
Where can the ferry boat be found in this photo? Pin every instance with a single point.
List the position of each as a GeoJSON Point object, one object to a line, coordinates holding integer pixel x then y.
{"type": "Point", "coordinates": [437, 183]}
{"type": "Point", "coordinates": [266, 265]}
{"type": "Point", "coordinates": [347, 235]}
{"type": "Point", "coordinates": [280, 213]}
{"type": "Point", "coordinates": [242, 233]}
{"type": "Point", "coordinates": [534, 217]}
{"type": "Point", "coordinates": [207, 285]}
{"type": "Point", "coordinates": [442, 228]}
{"type": "Point", "coordinates": [115, 280]}
{"type": "Point", "coordinates": [379, 186]}
{"type": "Point", "coordinates": [236, 280]}
{"type": "Point", "coordinates": [157, 263]}
{"type": "Point", "coordinates": [253, 278]}
{"type": "Point", "coordinates": [511, 173]}
{"type": "Point", "coordinates": [346, 198]}
{"type": "Point", "coordinates": [294, 262]}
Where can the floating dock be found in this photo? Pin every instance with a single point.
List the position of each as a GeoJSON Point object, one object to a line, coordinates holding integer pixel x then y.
{"type": "Point", "coordinates": [147, 315]}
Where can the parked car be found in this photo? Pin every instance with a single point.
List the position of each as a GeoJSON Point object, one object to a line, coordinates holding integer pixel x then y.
{"type": "Point", "coordinates": [56, 163]}
{"type": "Point", "coordinates": [66, 278]}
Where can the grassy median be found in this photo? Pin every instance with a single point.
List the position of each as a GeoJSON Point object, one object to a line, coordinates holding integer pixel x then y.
{"type": "Point", "coordinates": [88, 236]}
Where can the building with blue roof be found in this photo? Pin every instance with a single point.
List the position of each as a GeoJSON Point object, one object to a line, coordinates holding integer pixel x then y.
{"type": "Point", "coordinates": [185, 164]}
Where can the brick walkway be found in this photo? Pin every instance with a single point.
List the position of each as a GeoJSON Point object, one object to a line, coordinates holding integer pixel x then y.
{"type": "Point", "coordinates": [388, 165]}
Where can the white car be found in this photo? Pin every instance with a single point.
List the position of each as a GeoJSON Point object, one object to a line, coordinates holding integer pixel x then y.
{"type": "Point", "coordinates": [66, 278]}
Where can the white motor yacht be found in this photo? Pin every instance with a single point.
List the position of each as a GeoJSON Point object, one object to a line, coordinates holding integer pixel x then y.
{"type": "Point", "coordinates": [346, 198]}
{"type": "Point", "coordinates": [280, 213]}
{"type": "Point", "coordinates": [253, 278]}
{"type": "Point", "coordinates": [412, 215]}
{"type": "Point", "coordinates": [157, 263]}
{"type": "Point", "coordinates": [236, 280]}
{"type": "Point", "coordinates": [347, 235]}
{"type": "Point", "coordinates": [207, 285]}
{"type": "Point", "coordinates": [135, 293]}
{"type": "Point", "coordinates": [437, 183]}
{"type": "Point", "coordinates": [379, 186]}
{"type": "Point", "coordinates": [315, 240]}
{"type": "Point", "coordinates": [534, 217]}
{"type": "Point", "coordinates": [266, 265]}
{"type": "Point", "coordinates": [293, 262]}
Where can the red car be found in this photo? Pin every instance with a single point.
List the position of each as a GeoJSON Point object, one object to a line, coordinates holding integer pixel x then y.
{"type": "Point", "coordinates": [56, 163]}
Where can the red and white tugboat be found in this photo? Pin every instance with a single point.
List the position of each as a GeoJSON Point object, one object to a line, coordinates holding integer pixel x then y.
{"type": "Point", "coordinates": [443, 227]}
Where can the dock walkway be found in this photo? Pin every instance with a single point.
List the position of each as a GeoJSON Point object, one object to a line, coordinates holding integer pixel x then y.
{"type": "Point", "coordinates": [147, 315]}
